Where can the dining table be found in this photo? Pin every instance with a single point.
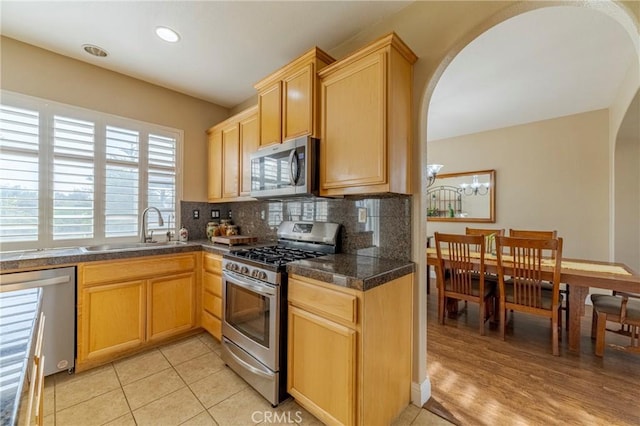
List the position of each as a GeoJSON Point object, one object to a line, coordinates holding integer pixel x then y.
{"type": "Point", "coordinates": [579, 275]}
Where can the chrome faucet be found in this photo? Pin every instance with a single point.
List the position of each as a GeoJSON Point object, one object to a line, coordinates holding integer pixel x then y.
{"type": "Point", "coordinates": [143, 227]}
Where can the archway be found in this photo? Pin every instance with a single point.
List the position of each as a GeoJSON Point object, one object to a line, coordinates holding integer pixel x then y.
{"type": "Point", "coordinates": [614, 10]}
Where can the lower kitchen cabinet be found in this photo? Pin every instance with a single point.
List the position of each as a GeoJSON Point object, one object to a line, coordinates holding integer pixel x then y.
{"type": "Point", "coordinates": [171, 305]}
{"type": "Point", "coordinates": [211, 315]}
{"type": "Point", "coordinates": [126, 305]}
{"type": "Point", "coordinates": [349, 351]}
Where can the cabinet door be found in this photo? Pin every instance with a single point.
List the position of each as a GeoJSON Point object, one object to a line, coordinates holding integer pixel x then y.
{"type": "Point", "coordinates": [269, 114]}
{"type": "Point", "coordinates": [249, 143]}
{"type": "Point", "coordinates": [112, 319]}
{"type": "Point", "coordinates": [297, 103]}
{"type": "Point", "coordinates": [170, 305]}
{"type": "Point", "coordinates": [322, 366]}
{"type": "Point", "coordinates": [353, 148]}
{"type": "Point", "coordinates": [214, 188]}
{"type": "Point", "coordinates": [230, 161]}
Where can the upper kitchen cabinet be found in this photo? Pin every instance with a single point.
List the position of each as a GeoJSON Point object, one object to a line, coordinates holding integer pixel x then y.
{"type": "Point", "coordinates": [231, 144]}
{"type": "Point", "coordinates": [288, 99]}
{"type": "Point", "coordinates": [366, 121]}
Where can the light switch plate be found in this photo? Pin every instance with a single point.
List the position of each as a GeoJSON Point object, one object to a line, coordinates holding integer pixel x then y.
{"type": "Point", "coordinates": [215, 214]}
{"type": "Point", "coordinates": [362, 215]}
{"type": "Point", "coordinates": [196, 214]}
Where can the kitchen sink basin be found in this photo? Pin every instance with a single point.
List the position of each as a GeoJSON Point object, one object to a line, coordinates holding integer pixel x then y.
{"type": "Point", "coordinates": [129, 246]}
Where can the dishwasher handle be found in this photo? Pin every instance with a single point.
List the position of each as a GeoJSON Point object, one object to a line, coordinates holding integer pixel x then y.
{"type": "Point", "coordinates": [34, 283]}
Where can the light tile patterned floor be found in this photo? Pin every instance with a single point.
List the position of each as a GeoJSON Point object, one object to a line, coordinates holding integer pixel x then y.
{"type": "Point", "coordinates": [183, 383]}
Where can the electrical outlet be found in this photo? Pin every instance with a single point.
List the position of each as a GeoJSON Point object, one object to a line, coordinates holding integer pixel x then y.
{"type": "Point", "coordinates": [215, 214]}
{"type": "Point", "coordinates": [196, 214]}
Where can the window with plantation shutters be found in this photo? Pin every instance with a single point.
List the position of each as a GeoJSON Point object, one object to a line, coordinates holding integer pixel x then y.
{"type": "Point", "coordinates": [122, 182]}
{"type": "Point", "coordinates": [19, 180]}
{"type": "Point", "coordinates": [161, 180]}
{"type": "Point", "coordinates": [71, 176]}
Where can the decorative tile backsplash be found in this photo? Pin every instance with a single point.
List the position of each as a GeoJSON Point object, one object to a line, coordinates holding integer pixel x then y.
{"type": "Point", "coordinates": [373, 226]}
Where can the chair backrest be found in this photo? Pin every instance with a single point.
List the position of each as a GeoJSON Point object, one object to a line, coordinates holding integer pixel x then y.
{"type": "Point", "coordinates": [529, 260]}
{"type": "Point", "coordinates": [489, 235]}
{"type": "Point", "coordinates": [455, 257]}
{"type": "Point", "coordinates": [526, 233]}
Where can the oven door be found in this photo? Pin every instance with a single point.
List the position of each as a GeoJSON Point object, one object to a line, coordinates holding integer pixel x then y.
{"type": "Point", "coordinates": [251, 310]}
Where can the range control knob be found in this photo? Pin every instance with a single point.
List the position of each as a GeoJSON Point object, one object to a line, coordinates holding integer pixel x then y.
{"type": "Point", "coordinates": [262, 275]}
{"type": "Point", "coordinates": [244, 270]}
{"type": "Point", "coordinates": [254, 273]}
{"type": "Point", "coordinates": [232, 266]}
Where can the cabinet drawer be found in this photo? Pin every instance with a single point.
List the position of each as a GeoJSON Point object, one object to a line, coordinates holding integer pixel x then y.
{"type": "Point", "coordinates": [212, 263]}
{"type": "Point", "coordinates": [211, 324]}
{"type": "Point", "coordinates": [212, 304]}
{"type": "Point", "coordinates": [212, 283]}
{"type": "Point", "coordinates": [125, 270]}
{"type": "Point", "coordinates": [335, 304]}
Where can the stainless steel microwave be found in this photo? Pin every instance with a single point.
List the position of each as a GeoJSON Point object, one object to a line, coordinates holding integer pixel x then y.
{"type": "Point", "coordinates": [285, 170]}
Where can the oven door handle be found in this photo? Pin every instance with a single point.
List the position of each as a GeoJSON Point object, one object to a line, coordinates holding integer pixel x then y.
{"type": "Point", "coordinates": [257, 371]}
{"type": "Point", "coordinates": [241, 282]}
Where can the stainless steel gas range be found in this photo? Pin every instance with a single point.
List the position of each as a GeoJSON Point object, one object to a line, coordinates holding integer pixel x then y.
{"type": "Point", "coordinates": [254, 292]}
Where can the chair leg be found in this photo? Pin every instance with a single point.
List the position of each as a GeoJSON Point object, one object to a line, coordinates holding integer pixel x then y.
{"type": "Point", "coordinates": [483, 307]}
{"type": "Point", "coordinates": [560, 322]}
{"type": "Point", "coordinates": [566, 311]}
{"type": "Point", "coordinates": [594, 323]}
{"type": "Point", "coordinates": [441, 306]}
{"type": "Point", "coordinates": [503, 320]}
{"type": "Point", "coordinates": [600, 330]}
{"type": "Point", "coordinates": [554, 333]}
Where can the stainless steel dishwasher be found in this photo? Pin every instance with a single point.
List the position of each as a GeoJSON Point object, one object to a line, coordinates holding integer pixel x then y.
{"type": "Point", "coordinates": [59, 307]}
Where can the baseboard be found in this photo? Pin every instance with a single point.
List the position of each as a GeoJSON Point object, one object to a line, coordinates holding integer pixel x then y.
{"type": "Point", "coordinates": [420, 392]}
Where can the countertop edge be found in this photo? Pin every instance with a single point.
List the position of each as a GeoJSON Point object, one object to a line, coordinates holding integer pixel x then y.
{"type": "Point", "coordinates": [345, 274]}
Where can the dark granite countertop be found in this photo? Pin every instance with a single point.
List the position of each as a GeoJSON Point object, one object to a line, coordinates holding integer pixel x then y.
{"type": "Point", "coordinates": [31, 259]}
{"type": "Point", "coordinates": [18, 317]}
{"type": "Point", "coordinates": [352, 271]}
{"type": "Point", "coordinates": [347, 270]}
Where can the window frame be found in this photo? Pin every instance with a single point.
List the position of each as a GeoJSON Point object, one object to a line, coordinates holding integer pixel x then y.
{"type": "Point", "coordinates": [47, 109]}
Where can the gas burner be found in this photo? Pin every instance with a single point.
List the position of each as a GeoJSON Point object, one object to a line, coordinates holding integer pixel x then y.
{"type": "Point", "coordinates": [276, 255]}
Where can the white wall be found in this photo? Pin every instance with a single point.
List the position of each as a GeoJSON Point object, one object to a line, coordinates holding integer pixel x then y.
{"type": "Point", "coordinates": [551, 174]}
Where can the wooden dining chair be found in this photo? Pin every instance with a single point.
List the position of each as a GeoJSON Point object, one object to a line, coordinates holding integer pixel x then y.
{"type": "Point", "coordinates": [564, 288]}
{"type": "Point", "coordinates": [487, 233]}
{"type": "Point", "coordinates": [622, 308]}
{"type": "Point", "coordinates": [459, 278]}
{"type": "Point", "coordinates": [523, 291]}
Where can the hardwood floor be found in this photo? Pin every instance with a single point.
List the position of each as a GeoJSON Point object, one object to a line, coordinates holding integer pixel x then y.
{"type": "Point", "coordinates": [482, 380]}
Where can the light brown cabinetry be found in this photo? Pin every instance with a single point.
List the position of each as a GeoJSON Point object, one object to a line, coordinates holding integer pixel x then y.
{"type": "Point", "coordinates": [126, 305]}
{"type": "Point", "coordinates": [231, 144]}
{"type": "Point", "coordinates": [211, 315]}
{"type": "Point", "coordinates": [288, 99]}
{"type": "Point", "coordinates": [359, 344]}
{"type": "Point", "coordinates": [366, 121]}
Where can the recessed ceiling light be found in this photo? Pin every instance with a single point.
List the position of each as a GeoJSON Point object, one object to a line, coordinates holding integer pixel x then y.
{"type": "Point", "coordinates": [167, 34]}
{"type": "Point", "coordinates": [94, 50]}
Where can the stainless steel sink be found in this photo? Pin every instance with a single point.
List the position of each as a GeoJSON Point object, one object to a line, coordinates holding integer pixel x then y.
{"type": "Point", "coordinates": [130, 246]}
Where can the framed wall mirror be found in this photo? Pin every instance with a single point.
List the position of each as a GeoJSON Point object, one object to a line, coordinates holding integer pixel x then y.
{"type": "Point", "coordinates": [463, 197]}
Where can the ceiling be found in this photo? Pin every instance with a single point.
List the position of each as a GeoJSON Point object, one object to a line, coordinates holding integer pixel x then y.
{"type": "Point", "coordinates": [547, 63]}
{"type": "Point", "coordinates": [225, 47]}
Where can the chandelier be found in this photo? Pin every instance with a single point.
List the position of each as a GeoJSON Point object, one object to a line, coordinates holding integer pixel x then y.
{"type": "Point", "coordinates": [475, 187]}
{"type": "Point", "coordinates": [432, 172]}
